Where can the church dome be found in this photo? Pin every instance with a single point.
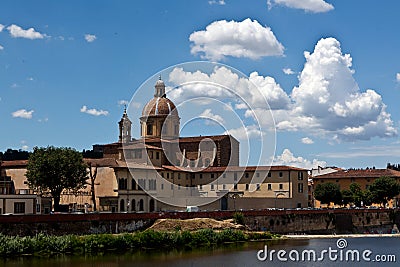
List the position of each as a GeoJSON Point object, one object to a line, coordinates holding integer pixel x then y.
{"type": "Point", "coordinates": [159, 106]}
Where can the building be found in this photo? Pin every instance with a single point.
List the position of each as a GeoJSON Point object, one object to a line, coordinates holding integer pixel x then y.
{"type": "Point", "coordinates": [163, 171]}
{"type": "Point", "coordinates": [362, 177]}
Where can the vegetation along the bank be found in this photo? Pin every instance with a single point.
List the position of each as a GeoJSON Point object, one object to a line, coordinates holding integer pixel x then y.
{"type": "Point", "coordinates": [45, 245]}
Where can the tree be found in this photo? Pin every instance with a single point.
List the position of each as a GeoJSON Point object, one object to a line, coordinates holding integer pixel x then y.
{"type": "Point", "coordinates": [358, 194]}
{"type": "Point", "coordinates": [327, 193]}
{"type": "Point", "coordinates": [384, 189]}
{"type": "Point", "coordinates": [51, 170]}
{"type": "Point", "coordinates": [347, 197]}
{"type": "Point", "coordinates": [93, 175]}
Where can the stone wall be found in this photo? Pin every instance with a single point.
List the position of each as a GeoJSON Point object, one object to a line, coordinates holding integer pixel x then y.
{"type": "Point", "coordinates": [277, 221]}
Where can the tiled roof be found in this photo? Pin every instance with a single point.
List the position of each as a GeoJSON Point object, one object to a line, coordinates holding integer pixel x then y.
{"type": "Point", "coordinates": [14, 163]}
{"type": "Point", "coordinates": [370, 173]}
{"type": "Point", "coordinates": [234, 168]}
{"type": "Point", "coordinates": [103, 162]}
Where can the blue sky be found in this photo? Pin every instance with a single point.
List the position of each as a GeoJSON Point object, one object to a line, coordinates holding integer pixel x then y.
{"type": "Point", "coordinates": [329, 68]}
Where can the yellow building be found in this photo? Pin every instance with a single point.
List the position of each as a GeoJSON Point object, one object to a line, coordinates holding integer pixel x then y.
{"type": "Point", "coordinates": [363, 177]}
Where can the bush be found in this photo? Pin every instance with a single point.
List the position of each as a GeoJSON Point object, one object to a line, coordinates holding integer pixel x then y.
{"type": "Point", "coordinates": [238, 217]}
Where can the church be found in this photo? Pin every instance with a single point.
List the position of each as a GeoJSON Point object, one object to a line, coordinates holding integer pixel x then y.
{"type": "Point", "coordinates": [162, 171]}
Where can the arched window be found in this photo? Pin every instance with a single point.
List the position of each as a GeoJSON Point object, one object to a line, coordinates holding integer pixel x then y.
{"type": "Point", "coordinates": [149, 129]}
{"type": "Point", "coordinates": [141, 206]}
{"type": "Point", "coordinates": [151, 205]}
{"type": "Point", "coordinates": [122, 205]}
{"type": "Point", "coordinates": [133, 206]}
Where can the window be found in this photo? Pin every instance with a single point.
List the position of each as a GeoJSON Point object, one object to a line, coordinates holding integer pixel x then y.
{"type": "Point", "coordinates": [141, 202]}
{"type": "Point", "coordinates": [19, 207]}
{"type": "Point", "coordinates": [149, 129]}
{"type": "Point", "coordinates": [224, 186]}
{"type": "Point", "coordinates": [142, 183]}
{"type": "Point", "coordinates": [151, 154]}
{"type": "Point", "coordinates": [201, 176]}
{"type": "Point", "coordinates": [133, 184]}
{"type": "Point", "coordinates": [247, 187]}
{"type": "Point", "coordinates": [300, 175]}
{"type": "Point", "coordinates": [235, 187]}
{"type": "Point", "coordinates": [133, 207]}
{"type": "Point", "coordinates": [207, 162]}
{"type": "Point", "coordinates": [246, 175]}
{"type": "Point", "coordinates": [258, 187]}
{"type": "Point", "coordinates": [157, 155]}
{"type": "Point", "coordinates": [179, 176]}
{"type": "Point", "coordinates": [122, 205]}
{"type": "Point", "coordinates": [257, 174]}
{"type": "Point", "coordinates": [201, 187]}
{"type": "Point", "coordinates": [137, 154]}
{"type": "Point", "coordinates": [162, 186]}
{"type": "Point", "coordinates": [269, 187]}
{"type": "Point", "coordinates": [224, 175]}
{"type": "Point", "coordinates": [280, 186]}
{"type": "Point", "coordinates": [212, 175]}
{"type": "Point", "coordinates": [269, 174]}
{"type": "Point", "coordinates": [152, 184]}
{"type": "Point", "coordinates": [300, 188]}
{"type": "Point", "coordinates": [167, 175]}
{"type": "Point", "coordinates": [280, 174]}
{"type": "Point", "coordinates": [122, 184]}
{"type": "Point", "coordinates": [212, 187]}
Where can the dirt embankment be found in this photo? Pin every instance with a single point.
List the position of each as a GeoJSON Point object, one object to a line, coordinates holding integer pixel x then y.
{"type": "Point", "coordinates": [194, 224]}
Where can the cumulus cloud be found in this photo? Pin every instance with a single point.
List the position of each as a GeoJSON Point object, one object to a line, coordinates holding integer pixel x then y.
{"type": "Point", "coordinates": [17, 32]}
{"type": "Point", "coordinates": [307, 141]}
{"type": "Point", "coordinates": [94, 111]}
{"type": "Point", "coordinates": [287, 158]}
{"type": "Point", "coordinates": [246, 132]}
{"type": "Point", "coordinates": [236, 39]}
{"type": "Point", "coordinates": [23, 113]}
{"type": "Point", "coordinates": [329, 101]}
{"type": "Point", "coordinates": [123, 102]}
{"type": "Point", "coordinates": [90, 38]}
{"type": "Point", "coordinates": [217, 2]}
{"type": "Point", "coordinates": [1, 27]}
{"type": "Point", "coordinates": [288, 71]}
{"type": "Point", "coordinates": [222, 83]}
{"type": "Point", "coordinates": [211, 117]}
{"type": "Point", "coordinates": [314, 6]}
{"type": "Point", "coordinates": [398, 77]}
{"type": "Point", "coordinates": [1, 47]}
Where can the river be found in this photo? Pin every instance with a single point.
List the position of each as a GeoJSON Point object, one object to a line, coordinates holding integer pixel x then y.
{"type": "Point", "coordinates": [243, 254]}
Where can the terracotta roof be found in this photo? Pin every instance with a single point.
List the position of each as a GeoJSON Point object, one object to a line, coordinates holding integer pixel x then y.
{"type": "Point", "coordinates": [14, 163]}
{"type": "Point", "coordinates": [103, 162]}
{"type": "Point", "coordinates": [234, 168]}
{"type": "Point", "coordinates": [370, 173]}
{"type": "Point", "coordinates": [139, 145]}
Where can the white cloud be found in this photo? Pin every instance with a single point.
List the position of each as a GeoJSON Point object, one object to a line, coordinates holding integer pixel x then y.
{"type": "Point", "coordinates": [307, 141]}
{"type": "Point", "coordinates": [14, 85]}
{"type": "Point", "coordinates": [90, 38]}
{"type": "Point", "coordinates": [287, 158]}
{"type": "Point", "coordinates": [314, 6]}
{"type": "Point", "coordinates": [217, 2]}
{"type": "Point", "coordinates": [23, 113]}
{"type": "Point", "coordinates": [17, 32]}
{"type": "Point", "coordinates": [223, 83]}
{"type": "Point", "coordinates": [43, 120]}
{"type": "Point", "coordinates": [246, 132]}
{"type": "Point", "coordinates": [94, 111]}
{"type": "Point", "coordinates": [30, 78]}
{"type": "Point", "coordinates": [328, 100]}
{"type": "Point", "coordinates": [237, 39]}
{"type": "Point", "coordinates": [123, 102]}
{"type": "Point", "coordinates": [288, 71]}
{"type": "Point", "coordinates": [398, 77]}
{"type": "Point", "coordinates": [207, 114]}
{"type": "Point", "coordinates": [1, 47]}
{"type": "Point", "coordinates": [1, 27]}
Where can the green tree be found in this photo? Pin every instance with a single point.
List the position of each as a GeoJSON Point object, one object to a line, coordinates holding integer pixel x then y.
{"type": "Point", "coordinates": [384, 189]}
{"type": "Point", "coordinates": [51, 170]}
{"type": "Point", "coordinates": [327, 193]}
{"type": "Point", "coordinates": [347, 197]}
{"type": "Point", "coordinates": [358, 194]}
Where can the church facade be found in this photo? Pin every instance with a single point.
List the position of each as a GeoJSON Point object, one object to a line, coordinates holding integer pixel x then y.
{"type": "Point", "coordinates": [162, 171]}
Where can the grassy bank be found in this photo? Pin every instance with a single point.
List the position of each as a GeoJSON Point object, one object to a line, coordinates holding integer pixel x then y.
{"type": "Point", "coordinates": [44, 245]}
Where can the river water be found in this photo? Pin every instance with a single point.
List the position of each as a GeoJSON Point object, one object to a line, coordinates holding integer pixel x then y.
{"type": "Point", "coordinates": [298, 252]}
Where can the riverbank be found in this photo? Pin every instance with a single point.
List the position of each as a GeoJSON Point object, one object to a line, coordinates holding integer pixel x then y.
{"type": "Point", "coordinates": [338, 236]}
{"type": "Point", "coordinates": [47, 245]}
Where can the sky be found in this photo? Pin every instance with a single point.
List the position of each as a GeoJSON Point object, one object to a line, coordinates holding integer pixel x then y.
{"type": "Point", "coordinates": [329, 70]}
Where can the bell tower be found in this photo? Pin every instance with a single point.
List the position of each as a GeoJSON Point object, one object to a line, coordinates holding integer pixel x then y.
{"type": "Point", "coordinates": [125, 126]}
